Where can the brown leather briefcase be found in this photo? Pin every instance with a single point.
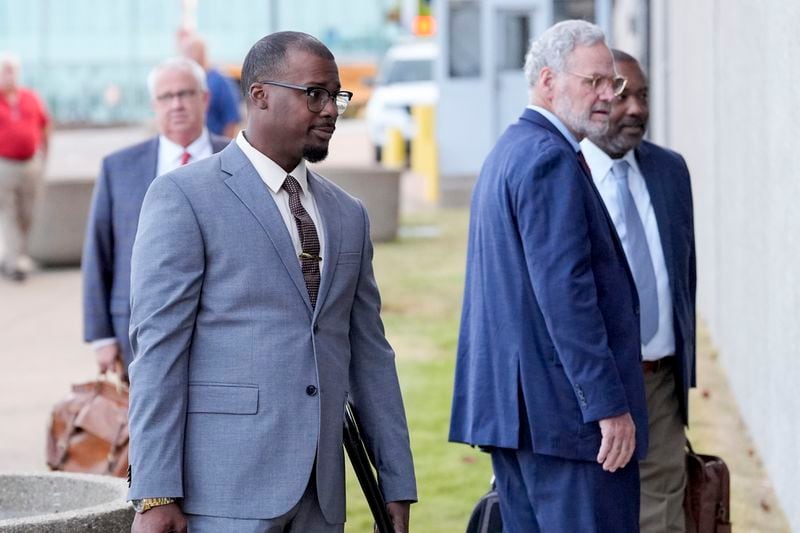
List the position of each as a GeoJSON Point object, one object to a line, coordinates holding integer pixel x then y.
{"type": "Point", "coordinates": [88, 430]}
{"type": "Point", "coordinates": [707, 498]}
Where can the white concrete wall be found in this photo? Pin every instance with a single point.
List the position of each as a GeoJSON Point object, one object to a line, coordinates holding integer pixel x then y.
{"type": "Point", "coordinates": [726, 94]}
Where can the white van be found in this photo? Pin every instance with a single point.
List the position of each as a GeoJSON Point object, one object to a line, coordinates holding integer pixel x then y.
{"type": "Point", "coordinates": [405, 79]}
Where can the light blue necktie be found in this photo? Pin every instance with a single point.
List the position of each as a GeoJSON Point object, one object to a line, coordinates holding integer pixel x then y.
{"type": "Point", "coordinates": [638, 254]}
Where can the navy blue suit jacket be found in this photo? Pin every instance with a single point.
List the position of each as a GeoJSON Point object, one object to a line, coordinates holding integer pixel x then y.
{"type": "Point", "coordinates": [550, 326]}
{"type": "Point", "coordinates": [119, 191]}
{"type": "Point", "coordinates": [668, 184]}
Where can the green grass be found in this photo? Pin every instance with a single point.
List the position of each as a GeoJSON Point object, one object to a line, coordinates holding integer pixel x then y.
{"type": "Point", "coordinates": [421, 281]}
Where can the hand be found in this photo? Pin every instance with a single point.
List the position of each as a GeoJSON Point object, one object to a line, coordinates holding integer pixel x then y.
{"type": "Point", "coordinates": [399, 513]}
{"type": "Point", "coordinates": [109, 358]}
{"type": "Point", "coordinates": [619, 441]}
{"type": "Point", "coordinates": [161, 519]}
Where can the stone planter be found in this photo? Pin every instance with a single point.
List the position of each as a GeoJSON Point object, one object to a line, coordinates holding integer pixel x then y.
{"type": "Point", "coordinates": [59, 222]}
{"type": "Point", "coordinates": [63, 209]}
{"type": "Point", "coordinates": [378, 188]}
{"type": "Point", "coordinates": [57, 502]}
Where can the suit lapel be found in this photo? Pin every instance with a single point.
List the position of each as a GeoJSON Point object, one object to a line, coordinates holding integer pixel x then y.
{"type": "Point", "coordinates": [604, 209]}
{"type": "Point", "coordinates": [247, 185]}
{"type": "Point", "coordinates": [331, 221]}
{"type": "Point", "coordinates": [658, 198]}
{"type": "Point", "coordinates": [611, 227]}
{"type": "Point", "coordinates": [150, 162]}
{"type": "Point", "coordinates": [141, 176]}
{"type": "Point", "coordinates": [539, 119]}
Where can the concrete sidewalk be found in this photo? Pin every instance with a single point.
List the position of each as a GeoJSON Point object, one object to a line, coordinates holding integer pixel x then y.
{"type": "Point", "coordinates": [41, 354]}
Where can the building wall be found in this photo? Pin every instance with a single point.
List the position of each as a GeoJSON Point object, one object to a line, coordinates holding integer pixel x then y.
{"type": "Point", "coordinates": [726, 89]}
{"type": "Point", "coordinates": [495, 93]}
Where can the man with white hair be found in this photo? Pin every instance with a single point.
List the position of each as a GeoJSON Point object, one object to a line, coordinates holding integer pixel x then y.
{"type": "Point", "coordinates": [548, 376]}
{"type": "Point", "coordinates": [24, 132]}
{"type": "Point", "coordinates": [179, 97]}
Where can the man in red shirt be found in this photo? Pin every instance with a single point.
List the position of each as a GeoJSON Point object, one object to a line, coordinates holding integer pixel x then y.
{"type": "Point", "coordinates": [24, 130]}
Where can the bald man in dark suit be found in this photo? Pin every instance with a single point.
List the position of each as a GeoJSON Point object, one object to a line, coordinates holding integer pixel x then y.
{"type": "Point", "coordinates": [659, 187]}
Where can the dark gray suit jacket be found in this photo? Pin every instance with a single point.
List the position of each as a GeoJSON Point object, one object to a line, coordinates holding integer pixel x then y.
{"type": "Point", "coordinates": [119, 191]}
{"type": "Point", "coordinates": [668, 183]}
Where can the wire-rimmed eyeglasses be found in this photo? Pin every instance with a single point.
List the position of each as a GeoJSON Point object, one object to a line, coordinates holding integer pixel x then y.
{"type": "Point", "coordinates": [183, 94]}
{"type": "Point", "coordinates": [601, 83]}
{"type": "Point", "coordinates": [317, 97]}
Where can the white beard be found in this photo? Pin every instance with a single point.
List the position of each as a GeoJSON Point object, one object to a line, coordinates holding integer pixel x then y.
{"type": "Point", "coordinates": [582, 124]}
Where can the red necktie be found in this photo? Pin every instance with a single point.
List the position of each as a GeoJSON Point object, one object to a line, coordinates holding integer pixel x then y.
{"type": "Point", "coordinates": [185, 157]}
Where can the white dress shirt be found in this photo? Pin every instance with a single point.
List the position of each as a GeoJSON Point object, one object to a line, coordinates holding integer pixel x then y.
{"type": "Point", "coordinates": [273, 176]}
{"type": "Point", "coordinates": [169, 153]}
{"type": "Point", "coordinates": [663, 343]}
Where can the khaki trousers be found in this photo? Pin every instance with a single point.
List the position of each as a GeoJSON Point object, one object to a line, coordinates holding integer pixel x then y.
{"type": "Point", "coordinates": [19, 183]}
{"type": "Point", "coordinates": [663, 472]}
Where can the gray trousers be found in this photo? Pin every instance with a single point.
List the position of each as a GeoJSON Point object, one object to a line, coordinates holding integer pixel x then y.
{"type": "Point", "coordinates": [305, 517]}
{"type": "Point", "coordinates": [663, 472]}
{"type": "Point", "coordinates": [19, 182]}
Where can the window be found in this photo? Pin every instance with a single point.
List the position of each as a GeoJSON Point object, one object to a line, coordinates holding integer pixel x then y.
{"type": "Point", "coordinates": [573, 9]}
{"type": "Point", "coordinates": [515, 37]}
{"type": "Point", "coordinates": [464, 44]}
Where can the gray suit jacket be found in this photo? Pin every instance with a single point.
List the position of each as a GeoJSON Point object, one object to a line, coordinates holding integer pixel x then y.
{"type": "Point", "coordinates": [119, 191]}
{"type": "Point", "coordinates": [670, 189]}
{"type": "Point", "coordinates": [237, 385]}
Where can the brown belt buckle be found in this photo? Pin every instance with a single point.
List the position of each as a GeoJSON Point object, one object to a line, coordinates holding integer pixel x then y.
{"type": "Point", "coordinates": [651, 367]}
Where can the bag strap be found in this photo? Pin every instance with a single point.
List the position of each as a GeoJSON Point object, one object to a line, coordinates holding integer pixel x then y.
{"type": "Point", "coordinates": [120, 384]}
{"type": "Point", "coordinates": [63, 442]}
{"type": "Point", "coordinates": [689, 446]}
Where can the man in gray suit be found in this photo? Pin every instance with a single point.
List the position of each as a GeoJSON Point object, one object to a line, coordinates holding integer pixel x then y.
{"type": "Point", "coordinates": [254, 314]}
{"type": "Point", "coordinates": [179, 98]}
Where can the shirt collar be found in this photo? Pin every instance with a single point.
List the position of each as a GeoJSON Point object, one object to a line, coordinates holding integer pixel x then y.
{"type": "Point", "coordinates": [271, 172]}
{"type": "Point", "coordinates": [601, 163]}
{"type": "Point", "coordinates": [555, 121]}
{"type": "Point", "coordinates": [171, 151]}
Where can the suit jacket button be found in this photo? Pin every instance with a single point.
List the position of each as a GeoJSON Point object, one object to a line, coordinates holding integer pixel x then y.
{"type": "Point", "coordinates": [311, 390]}
{"type": "Point", "coordinates": [316, 328]}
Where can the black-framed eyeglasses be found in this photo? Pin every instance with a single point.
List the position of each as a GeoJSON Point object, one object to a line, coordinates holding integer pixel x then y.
{"type": "Point", "coordinates": [601, 83]}
{"type": "Point", "coordinates": [317, 97]}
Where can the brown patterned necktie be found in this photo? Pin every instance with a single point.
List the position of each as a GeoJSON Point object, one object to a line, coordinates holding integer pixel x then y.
{"type": "Point", "coordinates": [309, 241]}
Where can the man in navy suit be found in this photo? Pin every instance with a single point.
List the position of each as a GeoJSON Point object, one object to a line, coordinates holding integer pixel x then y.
{"type": "Point", "coordinates": [548, 373]}
{"type": "Point", "coordinates": [179, 97]}
{"type": "Point", "coordinates": [659, 186]}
